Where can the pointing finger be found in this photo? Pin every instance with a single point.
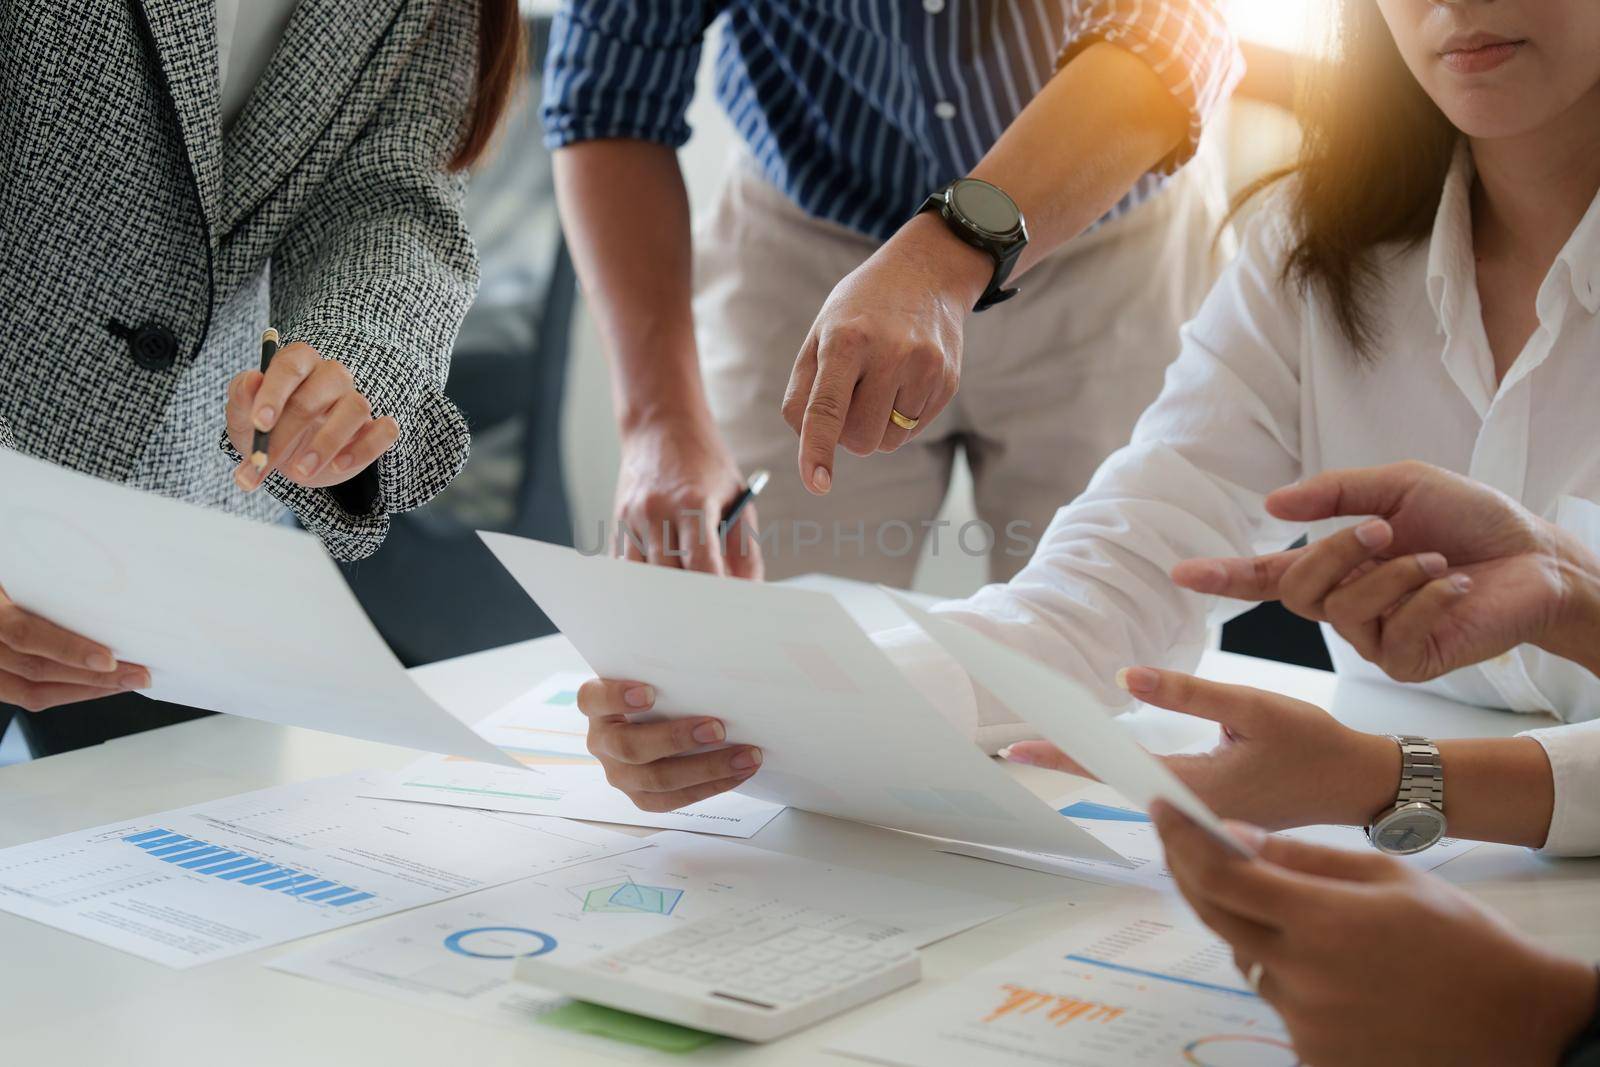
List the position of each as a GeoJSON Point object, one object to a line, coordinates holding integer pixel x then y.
{"type": "Point", "coordinates": [826, 410]}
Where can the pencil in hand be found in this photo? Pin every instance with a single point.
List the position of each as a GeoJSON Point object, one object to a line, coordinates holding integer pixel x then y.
{"type": "Point", "coordinates": [263, 438]}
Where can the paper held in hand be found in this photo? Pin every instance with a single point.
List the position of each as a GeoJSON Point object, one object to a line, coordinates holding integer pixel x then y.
{"type": "Point", "coordinates": [229, 614]}
{"type": "Point", "coordinates": [842, 732]}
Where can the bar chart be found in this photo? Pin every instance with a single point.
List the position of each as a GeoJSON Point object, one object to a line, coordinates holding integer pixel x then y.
{"type": "Point", "coordinates": [201, 857]}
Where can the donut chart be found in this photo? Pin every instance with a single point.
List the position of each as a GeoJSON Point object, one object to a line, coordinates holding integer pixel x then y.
{"type": "Point", "coordinates": [499, 942]}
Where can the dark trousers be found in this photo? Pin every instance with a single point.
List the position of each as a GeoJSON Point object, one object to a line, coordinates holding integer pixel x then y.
{"type": "Point", "coordinates": [71, 726]}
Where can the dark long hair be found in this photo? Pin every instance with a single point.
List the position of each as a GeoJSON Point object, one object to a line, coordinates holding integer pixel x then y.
{"type": "Point", "coordinates": [1371, 169]}
{"type": "Point", "coordinates": [500, 57]}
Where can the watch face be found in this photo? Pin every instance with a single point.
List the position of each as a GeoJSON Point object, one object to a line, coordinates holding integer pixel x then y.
{"type": "Point", "coordinates": [1411, 828]}
{"type": "Point", "coordinates": [985, 207]}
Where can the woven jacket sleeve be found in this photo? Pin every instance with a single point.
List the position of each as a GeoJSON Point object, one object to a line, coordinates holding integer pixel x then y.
{"type": "Point", "coordinates": [1186, 42]}
{"type": "Point", "coordinates": [377, 271]}
{"type": "Point", "coordinates": [5, 434]}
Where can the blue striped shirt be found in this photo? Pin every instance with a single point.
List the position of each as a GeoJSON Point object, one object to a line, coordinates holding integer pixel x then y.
{"type": "Point", "coordinates": [858, 109]}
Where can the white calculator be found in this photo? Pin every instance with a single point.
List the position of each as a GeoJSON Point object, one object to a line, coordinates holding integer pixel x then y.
{"type": "Point", "coordinates": [750, 976]}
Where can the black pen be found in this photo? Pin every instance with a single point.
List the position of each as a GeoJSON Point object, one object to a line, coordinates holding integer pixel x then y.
{"type": "Point", "coordinates": [752, 488]}
{"type": "Point", "coordinates": [263, 438]}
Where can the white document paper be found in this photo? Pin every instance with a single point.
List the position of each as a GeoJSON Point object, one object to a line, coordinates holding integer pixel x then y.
{"type": "Point", "coordinates": [1066, 715]}
{"type": "Point", "coordinates": [458, 956]}
{"type": "Point", "coordinates": [1131, 990]}
{"type": "Point", "coordinates": [545, 732]}
{"type": "Point", "coordinates": [230, 876]}
{"type": "Point", "coordinates": [229, 614]}
{"type": "Point", "coordinates": [841, 731]}
{"type": "Point", "coordinates": [1102, 813]}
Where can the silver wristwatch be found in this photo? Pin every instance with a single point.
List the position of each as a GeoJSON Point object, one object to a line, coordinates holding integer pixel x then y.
{"type": "Point", "coordinates": [1416, 820]}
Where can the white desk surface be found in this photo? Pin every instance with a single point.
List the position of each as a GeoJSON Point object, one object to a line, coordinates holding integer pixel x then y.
{"type": "Point", "coordinates": [68, 1001]}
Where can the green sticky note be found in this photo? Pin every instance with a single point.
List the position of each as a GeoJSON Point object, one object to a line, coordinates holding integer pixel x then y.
{"type": "Point", "coordinates": [585, 1018]}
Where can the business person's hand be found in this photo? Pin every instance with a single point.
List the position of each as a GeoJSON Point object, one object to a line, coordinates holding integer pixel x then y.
{"type": "Point", "coordinates": [323, 432]}
{"type": "Point", "coordinates": [888, 338]}
{"type": "Point", "coordinates": [1359, 953]}
{"type": "Point", "coordinates": [1449, 574]}
{"type": "Point", "coordinates": [43, 666]}
{"type": "Point", "coordinates": [660, 765]}
{"type": "Point", "coordinates": [675, 481]}
{"type": "Point", "coordinates": [1279, 763]}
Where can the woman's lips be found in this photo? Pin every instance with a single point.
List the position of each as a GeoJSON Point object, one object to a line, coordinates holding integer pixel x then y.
{"type": "Point", "coordinates": [1480, 57]}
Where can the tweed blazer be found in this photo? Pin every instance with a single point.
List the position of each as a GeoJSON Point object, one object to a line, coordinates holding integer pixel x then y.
{"type": "Point", "coordinates": [142, 252]}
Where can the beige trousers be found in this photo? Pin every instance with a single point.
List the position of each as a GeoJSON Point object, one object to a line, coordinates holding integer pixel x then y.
{"type": "Point", "coordinates": [1052, 381]}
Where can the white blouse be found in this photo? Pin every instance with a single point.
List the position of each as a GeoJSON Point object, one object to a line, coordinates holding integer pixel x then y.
{"type": "Point", "coordinates": [1266, 392]}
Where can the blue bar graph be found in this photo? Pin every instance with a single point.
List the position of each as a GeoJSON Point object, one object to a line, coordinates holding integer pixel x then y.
{"type": "Point", "coordinates": [190, 851]}
{"type": "Point", "coordinates": [329, 894]}
{"type": "Point", "coordinates": [227, 865]}
{"type": "Point", "coordinates": [254, 868]}
{"type": "Point", "coordinates": [340, 902]}
{"type": "Point", "coordinates": [163, 840]}
{"type": "Point", "coordinates": [293, 880]}
{"type": "Point", "coordinates": [200, 859]}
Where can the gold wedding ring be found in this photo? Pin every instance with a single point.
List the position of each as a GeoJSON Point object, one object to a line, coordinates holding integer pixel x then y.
{"type": "Point", "coordinates": [905, 422]}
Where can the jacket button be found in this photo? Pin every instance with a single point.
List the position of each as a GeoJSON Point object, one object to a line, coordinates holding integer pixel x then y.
{"type": "Point", "coordinates": [153, 347]}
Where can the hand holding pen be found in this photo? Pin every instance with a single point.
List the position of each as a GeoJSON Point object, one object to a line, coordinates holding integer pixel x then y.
{"type": "Point", "coordinates": [302, 416]}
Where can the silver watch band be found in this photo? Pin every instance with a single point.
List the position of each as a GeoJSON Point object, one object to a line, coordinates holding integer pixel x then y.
{"type": "Point", "coordinates": [1421, 771]}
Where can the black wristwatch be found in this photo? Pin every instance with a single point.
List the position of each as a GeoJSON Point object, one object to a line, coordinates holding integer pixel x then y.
{"type": "Point", "coordinates": [987, 219]}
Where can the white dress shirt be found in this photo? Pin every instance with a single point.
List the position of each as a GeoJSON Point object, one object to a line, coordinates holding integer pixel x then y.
{"type": "Point", "coordinates": [1267, 392]}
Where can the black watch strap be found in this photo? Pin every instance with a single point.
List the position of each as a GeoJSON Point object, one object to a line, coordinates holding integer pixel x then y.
{"type": "Point", "coordinates": [997, 293]}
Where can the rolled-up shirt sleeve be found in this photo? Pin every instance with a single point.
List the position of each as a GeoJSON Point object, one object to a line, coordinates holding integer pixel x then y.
{"type": "Point", "coordinates": [623, 68]}
{"type": "Point", "coordinates": [1186, 42]}
{"type": "Point", "coordinates": [1574, 754]}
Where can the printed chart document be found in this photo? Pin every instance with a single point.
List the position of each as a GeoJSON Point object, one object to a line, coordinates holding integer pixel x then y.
{"type": "Point", "coordinates": [1130, 990]}
{"type": "Point", "coordinates": [1102, 813]}
{"type": "Point", "coordinates": [545, 732]}
{"type": "Point", "coordinates": [842, 732]}
{"type": "Point", "coordinates": [234, 875]}
{"type": "Point", "coordinates": [229, 614]}
{"type": "Point", "coordinates": [458, 956]}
